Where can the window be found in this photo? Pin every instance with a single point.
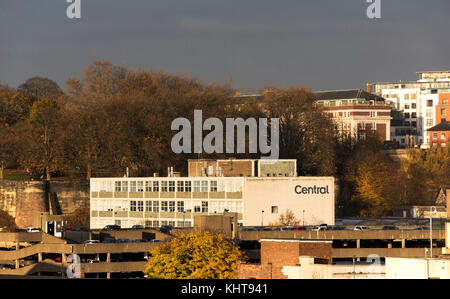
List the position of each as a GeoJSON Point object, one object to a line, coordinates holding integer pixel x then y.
{"type": "Point", "coordinates": [187, 186]}
{"type": "Point", "coordinates": [196, 186]}
{"type": "Point", "coordinates": [148, 186]}
{"type": "Point", "coordinates": [171, 206]}
{"type": "Point", "coordinates": [443, 112]}
{"type": "Point", "coordinates": [164, 206]}
{"type": "Point", "coordinates": [413, 96]}
{"type": "Point", "coordinates": [172, 223]}
{"type": "Point", "coordinates": [434, 135]}
{"type": "Point", "coordinates": [406, 106]}
{"type": "Point", "coordinates": [429, 103]}
{"type": "Point", "coordinates": [407, 115]}
{"type": "Point", "coordinates": [180, 187]}
{"type": "Point", "coordinates": [155, 186]}
{"type": "Point", "coordinates": [442, 135]}
{"type": "Point", "coordinates": [204, 207]}
{"type": "Point", "coordinates": [429, 113]}
{"type": "Point", "coordinates": [204, 186]}
{"type": "Point", "coordinates": [429, 122]}
{"type": "Point", "coordinates": [171, 186]}
{"type": "Point", "coordinates": [156, 206]}
{"type": "Point", "coordinates": [140, 206]}
{"type": "Point", "coordinates": [414, 115]}
{"type": "Point", "coordinates": [132, 186]}
{"type": "Point", "coordinates": [445, 102]}
{"type": "Point", "coordinates": [180, 206]}
{"type": "Point", "coordinates": [274, 209]}
{"type": "Point", "coordinates": [124, 186]}
{"type": "Point", "coordinates": [373, 114]}
{"type": "Point", "coordinates": [140, 186]}
{"type": "Point", "coordinates": [133, 206]}
{"type": "Point", "coordinates": [164, 186]}
{"type": "Point", "coordinates": [196, 209]}
{"type": "Point", "coordinates": [148, 205]}
{"type": "Point", "coordinates": [118, 188]}
{"type": "Point", "coordinates": [407, 96]}
{"type": "Point", "coordinates": [414, 105]}
{"type": "Point", "coordinates": [213, 186]}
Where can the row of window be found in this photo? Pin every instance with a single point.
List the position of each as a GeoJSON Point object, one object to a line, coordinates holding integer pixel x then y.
{"type": "Point", "coordinates": [435, 135]}
{"type": "Point", "coordinates": [165, 186]}
{"type": "Point", "coordinates": [166, 206]}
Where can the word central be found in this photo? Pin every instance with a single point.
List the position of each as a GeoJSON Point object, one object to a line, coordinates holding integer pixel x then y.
{"type": "Point", "coordinates": [213, 142]}
{"type": "Point", "coordinates": [311, 190]}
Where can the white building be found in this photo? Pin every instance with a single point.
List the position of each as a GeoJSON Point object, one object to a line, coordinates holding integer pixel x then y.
{"type": "Point", "coordinates": [156, 201]}
{"type": "Point", "coordinates": [417, 100]}
{"type": "Point", "coordinates": [417, 268]}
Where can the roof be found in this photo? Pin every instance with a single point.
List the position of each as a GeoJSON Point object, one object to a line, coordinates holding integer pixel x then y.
{"type": "Point", "coordinates": [443, 126]}
{"type": "Point", "coordinates": [346, 94]}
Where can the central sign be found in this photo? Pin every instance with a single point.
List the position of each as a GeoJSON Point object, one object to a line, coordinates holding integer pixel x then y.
{"type": "Point", "coordinates": [311, 190]}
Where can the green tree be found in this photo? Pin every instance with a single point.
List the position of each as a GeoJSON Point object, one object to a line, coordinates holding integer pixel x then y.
{"type": "Point", "coordinates": [194, 256]}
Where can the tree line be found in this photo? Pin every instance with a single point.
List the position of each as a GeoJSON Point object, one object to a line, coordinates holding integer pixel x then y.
{"type": "Point", "coordinates": [114, 118]}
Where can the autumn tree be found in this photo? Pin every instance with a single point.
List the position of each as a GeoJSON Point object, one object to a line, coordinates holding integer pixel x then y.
{"type": "Point", "coordinates": [7, 221]}
{"type": "Point", "coordinates": [288, 218]}
{"type": "Point", "coordinates": [194, 256]}
{"type": "Point", "coordinates": [78, 218]}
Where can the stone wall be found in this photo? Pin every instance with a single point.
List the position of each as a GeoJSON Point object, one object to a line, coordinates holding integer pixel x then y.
{"type": "Point", "coordinates": [21, 198]}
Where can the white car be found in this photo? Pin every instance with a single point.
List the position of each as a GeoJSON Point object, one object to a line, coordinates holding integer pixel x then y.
{"type": "Point", "coordinates": [33, 229]}
{"type": "Point", "coordinates": [91, 242]}
{"type": "Point", "coordinates": [361, 227]}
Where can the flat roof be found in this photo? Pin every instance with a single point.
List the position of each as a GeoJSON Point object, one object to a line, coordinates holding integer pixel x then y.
{"type": "Point", "coordinates": [295, 241]}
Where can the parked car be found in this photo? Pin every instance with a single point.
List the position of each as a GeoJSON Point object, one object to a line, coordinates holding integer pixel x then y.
{"type": "Point", "coordinates": [248, 229]}
{"type": "Point", "coordinates": [112, 227]}
{"type": "Point", "coordinates": [361, 227]}
{"type": "Point", "coordinates": [81, 229]}
{"type": "Point", "coordinates": [123, 240]}
{"type": "Point", "coordinates": [155, 240]}
{"type": "Point", "coordinates": [19, 230]}
{"type": "Point", "coordinates": [319, 227]}
{"type": "Point", "coordinates": [139, 241]}
{"type": "Point", "coordinates": [422, 228]}
{"type": "Point", "coordinates": [137, 226]}
{"type": "Point", "coordinates": [389, 227]}
{"type": "Point", "coordinates": [67, 229]}
{"type": "Point", "coordinates": [33, 229]}
{"type": "Point", "coordinates": [165, 229]}
{"type": "Point", "coordinates": [91, 242]}
{"type": "Point", "coordinates": [108, 240]}
{"type": "Point", "coordinates": [294, 227]}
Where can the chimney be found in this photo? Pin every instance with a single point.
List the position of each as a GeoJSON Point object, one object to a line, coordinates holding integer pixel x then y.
{"type": "Point", "coordinates": [368, 87]}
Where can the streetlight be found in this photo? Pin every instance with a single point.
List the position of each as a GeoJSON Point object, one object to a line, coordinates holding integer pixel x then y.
{"type": "Point", "coordinates": [431, 230]}
{"type": "Point", "coordinates": [262, 218]}
{"type": "Point", "coordinates": [303, 217]}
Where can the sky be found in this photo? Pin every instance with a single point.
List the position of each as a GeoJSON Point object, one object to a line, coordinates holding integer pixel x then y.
{"type": "Point", "coordinates": [320, 44]}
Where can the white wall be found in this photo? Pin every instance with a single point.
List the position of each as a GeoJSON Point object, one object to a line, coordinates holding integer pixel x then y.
{"type": "Point", "coordinates": [417, 268]}
{"type": "Point", "coordinates": [261, 194]}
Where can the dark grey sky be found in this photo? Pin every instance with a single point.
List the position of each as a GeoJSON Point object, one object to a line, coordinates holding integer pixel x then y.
{"type": "Point", "coordinates": [321, 44]}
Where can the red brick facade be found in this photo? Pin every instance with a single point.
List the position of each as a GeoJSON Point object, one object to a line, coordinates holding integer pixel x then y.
{"type": "Point", "coordinates": [275, 254]}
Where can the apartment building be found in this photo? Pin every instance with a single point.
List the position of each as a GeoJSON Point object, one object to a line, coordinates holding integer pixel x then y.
{"type": "Point", "coordinates": [357, 112]}
{"type": "Point", "coordinates": [417, 102]}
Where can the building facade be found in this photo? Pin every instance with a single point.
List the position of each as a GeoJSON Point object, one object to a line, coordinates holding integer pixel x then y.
{"type": "Point", "coordinates": [417, 100]}
{"type": "Point", "coordinates": [357, 112]}
{"type": "Point", "coordinates": [157, 201]}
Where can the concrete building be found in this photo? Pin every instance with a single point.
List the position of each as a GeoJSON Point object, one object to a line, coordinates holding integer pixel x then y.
{"type": "Point", "coordinates": [418, 101]}
{"type": "Point", "coordinates": [357, 112]}
{"type": "Point", "coordinates": [262, 191]}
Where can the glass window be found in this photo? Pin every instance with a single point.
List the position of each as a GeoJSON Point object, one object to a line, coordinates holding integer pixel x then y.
{"type": "Point", "coordinates": [148, 186]}
{"type": "Point", "coordinates": [132, 186]}
{"type": "Point", "coordinates": [140, 206]}
{"type": "Point", "coordinates": [196, 186]}
{"type": "Point", "coordinates": [434, 135]}
{"type": "Point", "coordinates": [204, 186]}
{"type": "Point", "coordinates": [445, 102]}
{"type": "Point", "coordinates": [442, 135]}
{"type": "Point", "coordinates": [171, 206]}
{"type": "Point", "coordinates": [187, 186]}
{"type": "Point", "coordinates": [156, 206]}
{"type": "Point", "coordinates": [213, 186]}
{"type": "Point", "coordinates": [171, 186]}
{"type": "Point", "coordinates": [148, 205]}
{"type": "Point", "coordinates": [197, 209]}
{"type": "Point", "coordinates": [443, 111]}
{"type": "Point", "coordinates": [155, 186]}
{"type": "Point", "coordinates": [117, 187]}
{"type": "Point", "coordinates": [164, 186]}
{"type": "Point", "coordinates": [124, 186]}
{"type": "Point", "coordinates": [429, 113]}
{"type": "Point", "coordinates": [180, 206]}
{"type": "Point", "coordinates": [180, 186]}
{"type": "Point", "coordinates": [133, 205]}
{"type": "Point", "coordinates": [204, 206]}
{"type": "Point", "coordinates": [274, 209]}
{"type": "Point", "coordinates": [140, 186]}
{"type": "Point", "coordinates": [172, 223]}
{"type": "Point", "coordinates": [164, 206]}
{"type": "Point", "coordinates": [429, 103]}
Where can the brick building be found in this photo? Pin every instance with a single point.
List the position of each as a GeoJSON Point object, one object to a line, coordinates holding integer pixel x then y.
{"type": "Point", "coordinates": [279, 253]}
{"type": "Point", "coordinates": [357, 112]}
{"type": "Point", "coordinates": [439, 134]}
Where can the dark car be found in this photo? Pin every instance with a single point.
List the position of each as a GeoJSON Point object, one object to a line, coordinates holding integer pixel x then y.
{"type": "Point", "coordinates": [137, 227]}
{"type": "Point", "coordinates": [333, 227]}
{"type": "Point", "coordinates": [19, 230]}
{"type": "Point", "coordinates": [81, 229]}
{"type": "Point", "coordinates": [248, 229]}
{"type": "Point", "coordinates": [165, 229]}
{"type": "Point", "coordinates": [112, 227]}
{"type": "Point", "coordinates": [422, 228]}
{"type": "Point", "coordinates": [389, 227]}
{"type": "Point", "coordinates": [108, 240]}
{"type": "Point", "coordinates": [295, 228]}
{"type": "Point", "coordinates": [123, 240]}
